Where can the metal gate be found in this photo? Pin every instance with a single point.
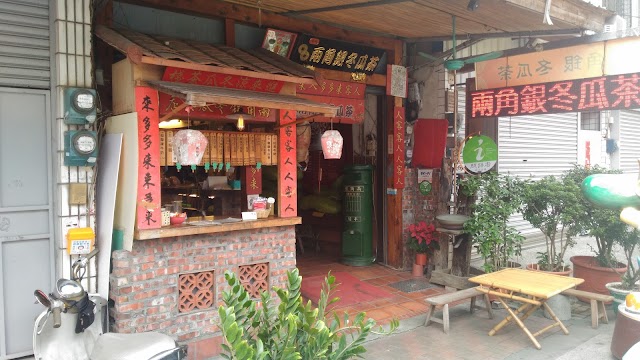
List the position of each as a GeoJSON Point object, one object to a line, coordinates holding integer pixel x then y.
{"type": "Point", "coordinates": [26, 207]}
{"type": "Point", "coordinates": [532, 147]}
{"type": "Point", "coordinates": [629, 141]}
{"type": "Point", "coordinates": [24, 43]}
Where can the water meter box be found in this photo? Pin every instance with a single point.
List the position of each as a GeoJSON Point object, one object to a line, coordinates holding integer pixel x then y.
{"type": "Point", "coordinates": [79, 106]}
{"type": "Point", "coordinates": [357, 235]}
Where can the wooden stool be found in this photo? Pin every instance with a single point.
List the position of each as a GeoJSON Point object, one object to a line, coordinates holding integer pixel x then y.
{"type": "Point", "coordinates": [598, 310]}
{"type": "Point", "coordinates": [445, 299]}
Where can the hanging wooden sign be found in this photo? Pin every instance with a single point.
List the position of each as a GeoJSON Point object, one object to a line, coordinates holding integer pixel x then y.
{"type": "Point", "coordinates": [148, 214]}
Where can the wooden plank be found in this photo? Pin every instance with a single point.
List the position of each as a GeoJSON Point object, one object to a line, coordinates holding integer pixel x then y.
{"type": "Point", "coordinates": [230, 32]}
{"type": "Point", "coordinates": [187, 230]}
{"type": "Point", "coordinates": [443, 277]}
{"type": "Point", "coordinates": [246, 14]}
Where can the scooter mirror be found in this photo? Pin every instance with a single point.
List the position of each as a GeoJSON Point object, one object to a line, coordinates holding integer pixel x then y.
{"type": "Point", "coordinates": [42, 298]}
{"type": "Point", "coordinates": [69, 289]}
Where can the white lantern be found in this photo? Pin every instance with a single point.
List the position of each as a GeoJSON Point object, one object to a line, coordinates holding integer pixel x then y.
{"type": "Point", "coordinates": [189, 146]}
{"type": "Point", "coordinates": [332, 144]}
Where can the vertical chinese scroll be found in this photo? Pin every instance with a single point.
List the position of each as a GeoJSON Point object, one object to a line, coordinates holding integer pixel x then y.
{"type": "Point", "coordinates": [253, 180]}
{"type": "Point", "coordinates": [398, 148]}
{"type": "Point", "coordinates": [287, 171]}
{"type": "Point", "coordinates": [148, 214]}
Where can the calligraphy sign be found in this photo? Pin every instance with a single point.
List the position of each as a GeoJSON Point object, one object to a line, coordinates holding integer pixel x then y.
{"type": "Point", "coordinates": [398, 148]}
{"type": "Point", "coordinates": [253, 180]}
{"type": "Point", "coordinates": [593, 94]}
{"type": "Point", "coordinates": [214, 111]}
{"type": "Point", "coordinates": [337, 55]}
{"type": "Point", "coordinates": [334, 88]}
{"type": "Point", "coordinates": [350, 111]}
{"type": "Point", "coordinates": [205, 78]}
{"type": "Point", "coordinates": [287, 166]}
{"type": "Point", "coordinates": [397, 81]}
{"type": "Point", "coordinates": [148, 215]}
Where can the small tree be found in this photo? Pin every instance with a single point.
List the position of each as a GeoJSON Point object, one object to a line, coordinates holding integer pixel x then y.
{"type": "Point", "coordinates": [499, 197]}
{"type": "Point", "coordinates": [601, 223]}
{"type": "Point", "coordinates": [290, 330]}
{"type": "Point", "coordinates": [553, 206]}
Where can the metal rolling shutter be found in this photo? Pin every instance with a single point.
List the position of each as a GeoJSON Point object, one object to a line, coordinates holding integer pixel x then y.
{"type": "Point", "coordinates": [24, 43]}
{"type": "Point", "coordinates": [629, 141]}
{"type": "Point", "coordinates": [536, 146]}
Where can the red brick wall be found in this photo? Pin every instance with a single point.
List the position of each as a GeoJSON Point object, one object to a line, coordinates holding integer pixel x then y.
{"type": "Point", "coordinates": [144, 282]}
{"type": "Point", "coordinates": [417, 207]}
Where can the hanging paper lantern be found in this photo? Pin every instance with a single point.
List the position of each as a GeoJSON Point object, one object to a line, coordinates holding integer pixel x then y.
{"type": "Point", "coordinates": [189, 146]}
{"type": "Point", "coordinates": [332, 144]}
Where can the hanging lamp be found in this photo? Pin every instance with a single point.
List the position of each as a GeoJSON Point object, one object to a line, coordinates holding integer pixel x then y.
{"type": "Point", "coordinates": [240, 116]}
{"type": "Point", "coordinates": [189, 145]}
{"type": "Point", "coordinates": [332, 142]}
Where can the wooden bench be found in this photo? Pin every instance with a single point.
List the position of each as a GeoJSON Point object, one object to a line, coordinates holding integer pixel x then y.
{"type": "Point", "coordinates": [445, 299]}
{"type": "Point", "coordinates": [597, 304]}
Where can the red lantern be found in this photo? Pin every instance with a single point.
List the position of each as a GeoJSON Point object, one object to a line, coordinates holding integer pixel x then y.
{"type": "Point", "coordinates": [332, 144]}
{"type": "Point", "coordinates": [189, 146]}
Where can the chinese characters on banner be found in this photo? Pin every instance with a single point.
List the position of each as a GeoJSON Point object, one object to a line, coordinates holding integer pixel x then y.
{"type": "Point", "coordinates": [205, 78]}
{"type": "Point", "coordinates": [397, 81]}
{"type": "Point", "coordinates": [336, 55]}
{"type": "Point", "coordinates": [253, 180]}
{"type": "Point", "coordinates": [347, 97]}
{"type": "Point", "coordinates": [214, 111]}
{"type": "Point", "coordinates": [334, 88]}
{"type": "Point", "coordinates": [148, 214]}
{"type": "Point", "coordinates": [594, 94]}
{"type": "Point", "coordinates": [287, 166]}
{"type": "Point", "coordinates": [398, 148]}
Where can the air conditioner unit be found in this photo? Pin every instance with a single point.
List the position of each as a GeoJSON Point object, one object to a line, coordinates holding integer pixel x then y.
{"type": "Point", "coordinates": [614, 23]}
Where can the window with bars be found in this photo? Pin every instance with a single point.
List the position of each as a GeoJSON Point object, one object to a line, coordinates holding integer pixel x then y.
{"type": "Point", "coordinates": [590, 121]}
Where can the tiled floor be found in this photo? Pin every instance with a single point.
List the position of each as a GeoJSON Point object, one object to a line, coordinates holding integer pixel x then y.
{"type": "Point", "coordinates": [400, 306]}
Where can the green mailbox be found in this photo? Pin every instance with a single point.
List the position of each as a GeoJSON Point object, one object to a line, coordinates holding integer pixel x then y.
{"type": "Point", "coordinates": [357, 206]}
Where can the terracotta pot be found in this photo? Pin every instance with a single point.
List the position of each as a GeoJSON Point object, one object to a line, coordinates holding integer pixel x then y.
{"type": "Point", "coordinates": [534, 267]}
{"type": "Point", "coordinates": [626, 333]}
{"type": "Point", "coordinates": [421, 258]}
{"type": "Point", "coordinates": [595, 276]}
{"type": "Point", "coordinates": [418, 270]}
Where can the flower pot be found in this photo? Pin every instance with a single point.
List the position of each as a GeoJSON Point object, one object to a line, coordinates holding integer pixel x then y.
{"type": "Point", "coordinates": [619, 294]}
{"type": "Point", "coordinates": [535, 267]}
{"type": "Point", "coordinates": [418, 270]}
{"type": "Point", "coordinates": [421, 259]}
{"type": "Point", "coordinates": [595, 276]}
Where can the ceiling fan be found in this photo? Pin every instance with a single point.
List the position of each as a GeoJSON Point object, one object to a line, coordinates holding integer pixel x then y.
{"type": "Point", "coordinates": [457, 64]}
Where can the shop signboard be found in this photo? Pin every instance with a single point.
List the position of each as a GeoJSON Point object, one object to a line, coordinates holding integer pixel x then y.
{"type": "Point", "coordinates": [425, 181]}
{"type": "Point", "coordinates": [337, 55]}
{"type": "Point", "coordinates": [398, 148]}
{"type": "Point", "coordinates": [350, 111]}
{"type": "Point", "coordinates": [593, 94]}
{"type": "Point", "coordinates": [205, 78]}
{"type": "Point", "coordinates": [603, 58]}
{"type": "Point", "coordinates": [480, 154]}
{"type": "Point", "coordinates": [333, 88]}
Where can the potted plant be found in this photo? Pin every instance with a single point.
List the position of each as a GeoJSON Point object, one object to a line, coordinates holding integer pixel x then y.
{"type": "Point", "coordinates": [602, 224]}
{"type": "Point", "coordinates": [423, 241]}
{"type": "Point", "coordinates": [498, 197]}
{"type": "Point", "coordinates": [552, 205]}
{"type": "Point", "coordinates": [629, 281]}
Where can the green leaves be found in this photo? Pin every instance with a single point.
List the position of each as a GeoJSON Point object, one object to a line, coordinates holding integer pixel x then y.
{"type": "Point", "coordinates": [291, 330]}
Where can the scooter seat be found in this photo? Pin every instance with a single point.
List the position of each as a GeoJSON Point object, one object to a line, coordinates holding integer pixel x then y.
{"type": "Point", "coordinates": [113, 346]}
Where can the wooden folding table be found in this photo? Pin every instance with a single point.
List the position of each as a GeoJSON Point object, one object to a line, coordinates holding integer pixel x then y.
{"type": "Point", "coordinates": [531, 288]}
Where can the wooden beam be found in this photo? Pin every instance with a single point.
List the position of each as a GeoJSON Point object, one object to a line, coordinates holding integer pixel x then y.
{"type": "Point", "coordinates": [344, 7]}
{"type": "Point", "coordinates": [373, 79]}
{"type": "Point", "coordinates": [574, 12]}
{"type": "Point", "coordinates": [230, 32]}
{"type": "Point", "coordinates": [222, 9]}
{"type": "Point", "coordinates": [223, 70]}
{"type": "Point", "coordinates": [174, 111]}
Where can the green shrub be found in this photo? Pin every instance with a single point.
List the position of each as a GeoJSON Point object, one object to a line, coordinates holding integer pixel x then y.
{"type": "Point", "coordinates": [290, 330]}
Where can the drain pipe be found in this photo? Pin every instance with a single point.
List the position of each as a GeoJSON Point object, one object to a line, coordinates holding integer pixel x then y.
{"type": "Point", "coordinates": [547, 16]}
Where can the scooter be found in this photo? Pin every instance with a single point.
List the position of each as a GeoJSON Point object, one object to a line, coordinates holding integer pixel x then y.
{"type": "Point", "coordinates": [74, 327]}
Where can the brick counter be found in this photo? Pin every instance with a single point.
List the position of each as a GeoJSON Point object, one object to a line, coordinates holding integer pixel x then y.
{"type": "Point", "coordinates": [174, 285]}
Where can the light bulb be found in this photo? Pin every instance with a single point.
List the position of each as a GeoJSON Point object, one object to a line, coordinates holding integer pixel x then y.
{"type": "Point", "coordinates": [240, 124]}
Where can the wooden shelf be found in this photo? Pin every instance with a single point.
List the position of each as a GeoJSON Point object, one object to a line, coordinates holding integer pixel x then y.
{"type": "Point", "coordinates": [186, 229]}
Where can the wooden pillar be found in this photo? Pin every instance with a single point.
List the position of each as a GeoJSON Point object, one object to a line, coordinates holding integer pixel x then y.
{"type": "Point", "coordinates": [287, 202]}
{"type": "Point", "coordinates": [148, 214]}
{"type": "Point", "coordinates": [230, 32]}
{"type": "Point", "coordinates": [395, 243]}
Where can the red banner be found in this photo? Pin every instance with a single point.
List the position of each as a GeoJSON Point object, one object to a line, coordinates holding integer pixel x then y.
{"type": "Point", "coordinates": [398, 148]}
{"type": "Point", "coordinates": [253, 179]}
{"type": "Point", "coordinates": [334, 88]}
{"type": "Point", "coordinates": [214, 111]}
{"type": "Point", "coordinates": [350, 111]}
{"type": "Point", "coordinates": [148, 214]}
{"type": "Point", "coordinates": [205, 78]}
{"type": "Point", "coordinates": [287, 170]}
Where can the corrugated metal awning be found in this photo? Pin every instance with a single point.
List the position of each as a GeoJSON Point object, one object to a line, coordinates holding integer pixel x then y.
{"type": "Point", "coordinates": [198, 95]}
{"type": "Point", "coordinates": [189, 54]}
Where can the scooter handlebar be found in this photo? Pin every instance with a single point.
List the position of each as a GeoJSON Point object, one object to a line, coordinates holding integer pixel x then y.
{"type": "Point", "coordinates": [56, 317]}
